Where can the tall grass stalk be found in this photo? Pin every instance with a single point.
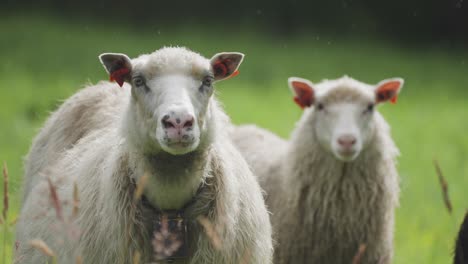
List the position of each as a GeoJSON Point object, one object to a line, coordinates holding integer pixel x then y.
{"type": "Point", "coordinates": [5, 208]}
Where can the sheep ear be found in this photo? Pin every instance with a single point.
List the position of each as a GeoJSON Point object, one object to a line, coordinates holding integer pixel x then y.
{"type": "Point", "coordinates": [303, 91]}
{"type": "Point", "coordinates": [225, 64]}
{"type": "Point", "coordinates": [118, 65]}
{"type": "Point", "coordinates": [388, 89]}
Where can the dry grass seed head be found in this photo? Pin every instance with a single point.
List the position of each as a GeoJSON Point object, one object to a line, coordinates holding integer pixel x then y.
{"type": "Point", "coordinates": [136, 257]}
{"type": "Point", "coordinates": [55, 199]}
{"type": "Point", "coordinates": [140, 186]}
{"type": "Point", "coordinates": [444, 186]}
{"type": "Point", "coordinates": [5, 191]}
{"type": "Point", "coordinates": [76, 201]}
{"type": "Point", "coordinates": [42, 247]}
{"type": "Point", "coordinates": [210, 231]}
{"type": "Point", "coordinates": [359, 254]}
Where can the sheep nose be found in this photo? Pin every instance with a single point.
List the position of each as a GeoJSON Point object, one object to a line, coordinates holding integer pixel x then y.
{"type": "Point", "coordinates": [178, 121]}
{"type": "Point", "coordinates": [347, 141]}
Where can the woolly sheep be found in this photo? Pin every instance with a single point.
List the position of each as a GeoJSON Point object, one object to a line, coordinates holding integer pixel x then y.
{"type": "Point", "coordinates": [333, 186]}
{"type": "Point", "coordinates": [165, 124]}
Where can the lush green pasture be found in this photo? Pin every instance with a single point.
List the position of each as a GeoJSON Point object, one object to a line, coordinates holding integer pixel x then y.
{"type": "Point", "coordinates": [43, 61]}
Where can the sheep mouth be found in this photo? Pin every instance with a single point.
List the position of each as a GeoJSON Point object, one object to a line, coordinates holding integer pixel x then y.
{"type": "Point", "coordinates": [179, 144]}
{"type": "Point", "coordinates": [347, 155]}
{"type": "Point", "coordinates": [179, 147]}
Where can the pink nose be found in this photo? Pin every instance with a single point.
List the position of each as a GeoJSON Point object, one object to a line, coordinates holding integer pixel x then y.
{"type": "Point", "coordinates": [347, 141]}
{"type": "Point", "coordinates": [178, 121]}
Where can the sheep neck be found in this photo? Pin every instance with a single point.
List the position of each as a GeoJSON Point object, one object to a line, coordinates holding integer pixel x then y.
{"type": "Point", "coordinates": [173, 180]}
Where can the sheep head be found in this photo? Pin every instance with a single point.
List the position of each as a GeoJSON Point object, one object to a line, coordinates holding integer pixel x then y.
{"type": "Point", "coordinates": [342, 112]}
{"type": "Point", "coordinates": [171, 91]}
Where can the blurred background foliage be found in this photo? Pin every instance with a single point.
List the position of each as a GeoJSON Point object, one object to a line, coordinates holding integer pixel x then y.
{"type": "Point", "coordinates": [417, 20]}
{"type": "Point", "coordinates": [49, 49]}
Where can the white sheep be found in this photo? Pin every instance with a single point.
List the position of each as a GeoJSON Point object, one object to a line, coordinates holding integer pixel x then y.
{"type": "Point", "coordinates": [164, 124]}
{"type": "Point", "coordinates": [333, 186]}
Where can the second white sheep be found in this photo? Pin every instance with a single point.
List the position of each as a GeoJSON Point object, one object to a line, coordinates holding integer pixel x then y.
{"type": "Point", "coordinates": [334, 185]}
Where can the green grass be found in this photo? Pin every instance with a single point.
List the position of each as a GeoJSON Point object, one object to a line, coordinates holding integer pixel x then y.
{"type": "Point", "coordinates": [43, 61]}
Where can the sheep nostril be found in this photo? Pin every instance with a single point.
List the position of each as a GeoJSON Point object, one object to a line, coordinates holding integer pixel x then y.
{"type": "Point", "coordinates": [188, 124]}
{"type": "Point", "coordinates": [178, 122]}
{"type": "Point", "coordinates": [167, 124]}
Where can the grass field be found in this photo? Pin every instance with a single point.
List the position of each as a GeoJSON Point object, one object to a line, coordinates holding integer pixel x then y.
{"type": "Point", "coordinates": [43, 61]}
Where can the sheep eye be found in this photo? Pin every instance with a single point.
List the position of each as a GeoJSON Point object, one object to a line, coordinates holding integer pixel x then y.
{"type": "Point", "coordinates": [320, 107]}
{"type": "Point", "coordinates": [208, 81]}
{"type": "Point", "coordinates": [138, 81]}
{"type": "Point", "coordinates": [370, 108]}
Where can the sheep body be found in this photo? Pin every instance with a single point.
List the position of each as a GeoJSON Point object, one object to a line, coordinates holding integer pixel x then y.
{"type": "Point", "coordinates": [86, 142]}
{"type": "Point", "coordinates": [91, 108]}
{"type": "Point", "coordinates": [323, 209]}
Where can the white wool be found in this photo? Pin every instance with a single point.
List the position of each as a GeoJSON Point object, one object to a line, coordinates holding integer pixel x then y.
{"type": "Point", "coordinates": [86, 142]}
{"type": "Point", "coordinates": [323, 208]}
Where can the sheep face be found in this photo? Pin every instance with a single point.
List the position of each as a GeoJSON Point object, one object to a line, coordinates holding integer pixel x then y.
{"type": "Point", "coordinates": [171, 92]}
{"type": "Point", "coordinates": [342, 111]}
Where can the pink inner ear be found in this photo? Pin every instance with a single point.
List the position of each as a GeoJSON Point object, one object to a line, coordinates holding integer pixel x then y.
{"type": "Point", "coordinates": [119, 75]}
{"type": "Point", "coordinates": [388, 91]}
{"type": "Point", "coordinates": [298, 102]}
{"type": "Point", "coordinates": [304, 95]}
{"type": "Point", "coordinates": [220, 69]}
